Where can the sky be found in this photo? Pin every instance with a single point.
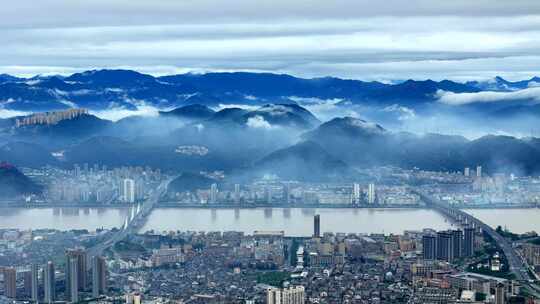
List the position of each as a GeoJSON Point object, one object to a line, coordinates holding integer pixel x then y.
{"type": "Point", "coordinates": [387, 41]}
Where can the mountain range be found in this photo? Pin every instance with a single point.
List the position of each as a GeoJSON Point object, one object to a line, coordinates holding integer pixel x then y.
{"type": "Point", "coordinates": [126, 89]}
{"type": "Point", "coordinates": [282, 139]}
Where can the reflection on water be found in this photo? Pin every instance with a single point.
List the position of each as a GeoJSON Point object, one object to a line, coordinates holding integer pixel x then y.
{"type": "Point", "coordinates": [294, 221]}
{"type": "Point", "coordinates": [62, 218]}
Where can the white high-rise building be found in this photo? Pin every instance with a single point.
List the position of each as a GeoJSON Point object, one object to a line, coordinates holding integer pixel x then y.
{"type": "Point", "coordinates": [290, 295]}
{"type": "Point", "coordinates": [371, 193]}
{"type": "Point", "coordinates": [128, 191]}
{"type": "Point", "coordinates": [467, 172]}
{"type": "Point", "coordinates": [356, 193]}
{"type": "Point", "coordinates": [478, 171]}
{"type": "Point", "coordinates": [237, 193]}
{"type": "Point", "coordinates": [213, 193]}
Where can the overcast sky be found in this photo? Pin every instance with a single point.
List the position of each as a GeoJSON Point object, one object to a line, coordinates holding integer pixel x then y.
{"type": "Point", "coordinates": [392, 40]}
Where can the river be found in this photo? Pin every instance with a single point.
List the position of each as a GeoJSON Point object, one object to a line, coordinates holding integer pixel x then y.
{"type": "Point", "coordinates": [294, 221]}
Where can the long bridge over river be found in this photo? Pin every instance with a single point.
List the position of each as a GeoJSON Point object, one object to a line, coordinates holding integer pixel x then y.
{"type": "Point", "coordinates": [517, 265]}
{"type": "Point", "coordinates": [133, 223]}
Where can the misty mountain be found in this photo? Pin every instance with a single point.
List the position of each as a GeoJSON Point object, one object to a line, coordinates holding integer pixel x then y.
{"type": "Point", "coordinates": [500, 84]}
{"type": "Point", "coordinates": [284, 115]}
{"type": "Point", "coordinates": [106, 89]}
{"type": "Point", "coordinates": [14, 183]}
{"type": "Point", "coordinates": [364, 144]}
{"type": "Point", "coordinates": [190, 181]}
{"type": "Point", "coordinates": [24, 154]}
{"type": "Point", "coordinates": [64, 131]}
{"type": "Point", "coordinates": [190, 112]}
{"type": "Point", "coordinates": [306, 161]}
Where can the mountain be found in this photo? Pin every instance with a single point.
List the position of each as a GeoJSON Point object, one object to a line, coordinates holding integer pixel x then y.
{"type": "Point", "coordinates": [13, 183]}
{"type": "Point", "coordinates": [364, 144]}
{"type": "Point", "coordinates": [189, 181]}
{"type": "Point", "coordinates": [64, 131]}
{"type": "Point", "coordinates": [193, 112]}
{"type": "Point", "coordinates": [105, 89]}
{"type": "Point", "coordinates": [25, 154]}
{"type": "Point", "coordinates": [290, 115]}
{"type": "Point", "coordinates": [306, 161]}
{"type": "Point", "coordinates": [500, 84]}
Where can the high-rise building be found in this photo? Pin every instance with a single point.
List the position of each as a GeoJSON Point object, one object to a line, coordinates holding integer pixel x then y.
{"type": "Point", "coordinates": [99, 276]}
{"type": "Point", "coordinates": [128, 190]}
{"type": "Point", "coordinates": [467, 172]}
{"type": "Point", "coordinates": [34, 294]}
{"type": "Point", "coordinates": [457, 239]}
{"type": "Point", "coordinates": [213, 193]}
{"type": "Point", "coordinates": [429, 247]}
{"type": "Point", "coordinates": [237, 193]}
{"type": "Point", "coordinates": [468, 242]}
{"type": "Point", "coordinates": [290, 295]}
{"type": "Point", "coordinates": [371, 193]}
{"type": "Point", "coordinates": [356, 193]}
{"type": "Point", "coordinates": [49, 283]}
{"type": "Point", "coordinates": [478, 171]}
{"type": "Point", "coordinates": [73, 279]}
{"type": "Point", "coordinates": [317, 226]}
{"type": "Point", "coordinates": [287, 193]}
{"type": "Point", "coordinates": [445, 246]}
{"type": "Point", "coordinates": [10, 282]}
{"type": "Point", "coordinates": [500, 294]}
{"type": "Point", "coordinates": [79, 255]}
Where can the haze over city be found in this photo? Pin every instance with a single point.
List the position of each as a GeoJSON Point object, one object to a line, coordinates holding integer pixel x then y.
{"type": "Point", "coordinates": [278, 152]}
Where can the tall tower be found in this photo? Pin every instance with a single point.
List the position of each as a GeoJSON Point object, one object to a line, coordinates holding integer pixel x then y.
{"type": "Point", "coordinates": [35, 283]}
{"type": "Point", "coordinates": [99, 276]}
{"type": "Point", "coordinates": [128, 193]}
{"type": "Point", "coordinates": [317, 226]}
{"type": "Point", "coordinates": [445, 246]}
{"type": "Point", "coordinates": [49, 283]}
{"type": "Point", "coordinates": [10, 282]}
{"type": "Point", "coordinates": [468, 242]}
{"type": "Point", "coordinates": [457, 239]}
{"type": "Point", "coordinates": [237, 193]}
{"type": "Point", "coordinates": [78, 255]}
{"type": "Point", "coordinates": [429, 247]}
{"type": "Point", "coordinates": [356, 193]}
{"type": "Point", "coordinates": [500, 294]}
{"type": "Point", "coordinates": [371, 193]}
{"type": "Point", "coordinates": [478, 171]}
{"type": "Point", "coordinates": [213, 193]}
{"type": "Point", "coordinates": [73, 281]}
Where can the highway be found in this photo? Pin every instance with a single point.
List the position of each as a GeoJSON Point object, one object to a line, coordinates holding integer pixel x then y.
{"type": "Point", "coordinates": [131, 226]}
{"type": "Point", "coordinates": [516, 264]}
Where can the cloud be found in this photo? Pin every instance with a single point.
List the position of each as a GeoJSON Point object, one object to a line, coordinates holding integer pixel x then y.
{"type": "Point", "coordinates": [116, 114]}
{"type": "Point", "coordinates": [4, 113]}
{"type": "Point", "coordinates": [403, 112]}
{"type": "Point", "coordinates": [258, 122]}
{"type": "Point", "coordinates": [358, 39]}
{"type": "Point", "coordinates": [456, 99]}
{"type": "Point", "coordinates": [240, 106]}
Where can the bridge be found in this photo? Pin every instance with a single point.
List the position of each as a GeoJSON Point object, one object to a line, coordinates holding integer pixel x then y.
{"type": "Point", "coordinates": [516, 264]}
{"type": "Point", "coordinates": [133, 223]}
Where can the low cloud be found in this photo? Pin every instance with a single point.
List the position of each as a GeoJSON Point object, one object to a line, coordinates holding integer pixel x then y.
{"type": "Point", "coordinates": [116, 114]}
{"type": "Point", "coordinates": [456, 99]}
{"type": "Point", "coordinates": [403, 112]}
{"type": "Point", "coordinates": [11, 113]}
{"type": "Point", "coordinates": [258, 122]}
